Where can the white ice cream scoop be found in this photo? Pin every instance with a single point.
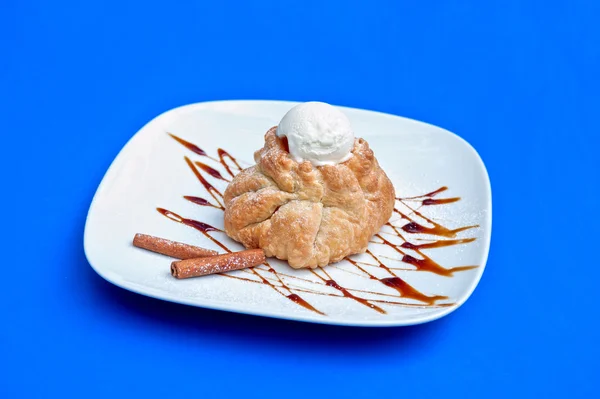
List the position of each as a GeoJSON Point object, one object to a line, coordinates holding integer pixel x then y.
{"type": "Point", "coordinates": [317, 132]}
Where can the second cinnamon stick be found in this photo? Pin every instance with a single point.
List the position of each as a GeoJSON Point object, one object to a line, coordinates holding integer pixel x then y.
{"type": "Point", "coordinates": [217, 264]}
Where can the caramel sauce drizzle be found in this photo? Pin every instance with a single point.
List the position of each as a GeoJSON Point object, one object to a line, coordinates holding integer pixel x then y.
{"type": "Point", "coordinates": [190, 146]}
{"type": "Point", "coordinates": [290, 290]}
{"type": "Point", "coordinates": [216, 194]}
{"type": "Point", "coordinates": [211, 171]}
{"type": "Point", "coordinates": [200, 201]}
{"type": "Point", "coordinates": [436, 230]}
{"type": "Point", "coordinates": [330, 282]}
{"type": "Point", "coordinates": [222, 154]}
{"type": "Point", "coordinates": [439, 201]}
{"type": "Point", "coordinates": [425, 263]}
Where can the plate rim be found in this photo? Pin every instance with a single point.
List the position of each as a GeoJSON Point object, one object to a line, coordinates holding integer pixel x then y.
{"type": "Point", "coordinates": [329, 320]}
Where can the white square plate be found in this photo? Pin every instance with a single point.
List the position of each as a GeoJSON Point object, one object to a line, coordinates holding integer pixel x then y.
{"type": "Point", "coordinates": [150, 172]}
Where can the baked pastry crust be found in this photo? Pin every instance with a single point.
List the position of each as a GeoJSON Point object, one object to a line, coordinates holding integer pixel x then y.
{"type": "Point", "coordinates": [310, 216]}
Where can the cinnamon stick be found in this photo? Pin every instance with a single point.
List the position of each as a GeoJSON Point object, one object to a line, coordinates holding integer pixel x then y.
{"type": "Point", "coordinates": [217, 264]}
{"type": "Point", "coordinates": [174, 249]}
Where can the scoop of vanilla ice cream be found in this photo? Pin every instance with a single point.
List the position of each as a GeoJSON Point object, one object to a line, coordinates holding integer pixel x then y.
{"type": "Point", "coordinates": [317, 132]}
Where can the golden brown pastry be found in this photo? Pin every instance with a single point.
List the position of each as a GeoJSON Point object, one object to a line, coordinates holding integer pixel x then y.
{"type": "Point", "coordinates": [308, 215]}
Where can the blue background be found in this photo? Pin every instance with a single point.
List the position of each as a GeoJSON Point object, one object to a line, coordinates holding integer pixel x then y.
{"type": "Point", "coordinates": [517, 79]}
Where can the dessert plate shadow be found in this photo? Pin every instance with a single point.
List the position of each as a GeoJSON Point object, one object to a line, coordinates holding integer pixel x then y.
{"type": "Point", "coordinates": [422, 265]}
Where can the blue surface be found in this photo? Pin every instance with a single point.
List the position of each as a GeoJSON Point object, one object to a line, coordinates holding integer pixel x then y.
{"type": "Point", "coordinates": [517, 79]}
